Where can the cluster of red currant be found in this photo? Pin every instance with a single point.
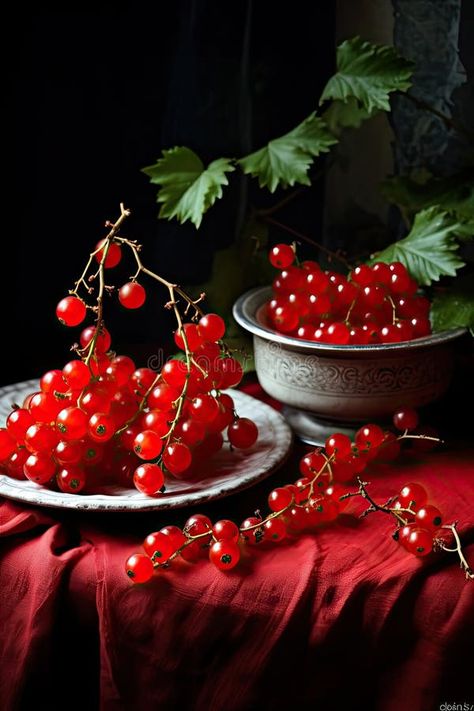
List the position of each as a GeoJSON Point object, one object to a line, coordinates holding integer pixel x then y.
{"type": "Point", "coordinates": [137, 423]}
{"type": "Point", "coordinates": [373, 304]}
{"type": "Point", "coordinates": [316, 498]}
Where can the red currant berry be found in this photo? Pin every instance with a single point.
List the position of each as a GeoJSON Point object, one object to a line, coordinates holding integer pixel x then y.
{"type": "Point", "coordinates": [193, 337]}
{"type": "Point", "coordinates": [279, 499]}
{"type": "Point", "coordinates": [148, 445]}
{"type": "Point", "coordinates": [242, 433]}
{"type": "Point", "coordinates": [101, 427]}
{"type": "Point", "coordinates": [197, 525]}
{"type": "Point", "coordinates": [406, 419]}
{"type": "Point", "coordinates": [71, 311]}
{"type": "Point", "coordinates": [76, 374]}
{"type": "Point", "coordinates": [141, 381]}
{"type": "Point", "coordinates": [369, 437]}
{"type": "Point", "coordinates": [211, 327]}
{"type": "Point", "coordinates": [68, 452]}
{"type": "Point", "coordinates": [275, 530]}
{"type": "Point", "coordinates": [224, 554]}
{"type": "Point", "coordinates": [177, 457]}
{"type": "Point", "coordinates": [103, 341]}
{"type": "Point", "coordinates": [52, 382]}
{"type": "Point", "coordinates": [114, 254]}
{"type": "Point", "coordinates": [71, 479]}
{"type": "Point", "coordinates": [339, 445]}
{"type": "Point", "coordinates": [281, 256]}
{"type": "Point", "coordinates": [40, 437]}
{"type": "Point", "coordinates": [71, 423]}
{"type": "Point", "coordinates": [412, 496]}
{"type": "Point", "coordinates": [132, 295]}
{"type": "Point", "coordinates": [175, 535]}
{"type": "Point", "coordinates": [158, 546]}
{"type": "Point", "coordinates": [39, 468]}
{"type": "Point", "coordinates": [429, 517]}
{"type": "Point", "coordinates": [149, 479]}
{"type": "Point", "coordinates": [18, 422]}
{"type": "Point", "coordinates": [226, 530]}
{"type": "Point", "coordinates": [139, 568]}
{"type": "Point", "coordinates": [419, 542]}
{"type": "Point", "coordinates": [249, 534]}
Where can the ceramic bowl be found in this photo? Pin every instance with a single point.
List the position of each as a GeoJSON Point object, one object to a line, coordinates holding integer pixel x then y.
{"type": "Point", "coordinates": [327, 388]}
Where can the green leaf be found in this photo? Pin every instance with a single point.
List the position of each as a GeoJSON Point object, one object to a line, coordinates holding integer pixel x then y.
{"type": "Point", "coordinates": [368, 73]}
{"type": "Point", "coordinates": [454, 308]}
{"type": "Point", "coordinates": [346, 114]}
{"type": "Point", "coordinates": [187, 188]}
{"type": "Point", "coordinates": [429, 250]}
{"type": "Point", "coordinates": [285, 160]}
{"type": "Point", "coordinates": [455, 193]}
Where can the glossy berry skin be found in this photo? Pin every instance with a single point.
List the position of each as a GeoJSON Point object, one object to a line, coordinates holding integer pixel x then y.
{"type": "Point", "coordinates": [225, 530]}
{"type": "Point", "coordinates": [101, 427]}
{"type": "Point", "coordinates": [39, 468]}
{"type": "Point", "coordinates": [76, 374]}
{"type": "Point", "coordinates": [429, 517]}
{"type": "Point", "coordinates": [71, 423]}
{"type": "Point", "coordinates": [197, 525]}
{"type": "Point", "coordinates": [148, 445]}
{"type": "Point", "coordinates": [193, 337]}
{"type": "Point", "coordinates": [275, 530]}
{"type": "Point", "coordinates": [71, 479]}
{"type": "Point", "coordinates": [71, 311]}
{"type": "Point", "coordinates": [211, 327]}
{"type": "Point", "coordinates": [114, 255]}
{"type": "Point", "coordinates": [406, 419]}
{"type": "Point", "coordinates": [242, 433]}
{"type": "Point", "coordinates": [103, 341]}
{"type": "Point", "coordinates": [254, 535]}
{"type": "Point", "coordinates": [419, 542]}
{"type": "Point", "coordinates": [53, 381]}
{"type": "Point", "coordinates": [159, 547]}
{"type": "Point", "coordinates": [312, 463]}
{"type": "Point", "coordinates": [68, 452]}
{"type": "Point", "coordinates": [279, 499]}
{"type": "Point", "coordinates": [175, 535]}
{"type": "Point", "coordinates": [132, 295]}
{"type": "Point", "coordinates": [369, 437]}
{"type": "Point", "coordinates": [18, 422]}
{"type": "Point", "coordinates": [139, 568]}
{"type": "Point", "coordinates": [412, 496]}
{"type": "Point", "coordinates": [339, 445]}
{"type": "Point", "coordinates": [224, 554]}
{"type": "Point", "coordinates": [149, 479]}
{"type": "Point", "coordinates": [40, 437]}
{"type": "Point", "coordinates": [281, 256]}
{"type": "Point", "coordinates": [177, 457]}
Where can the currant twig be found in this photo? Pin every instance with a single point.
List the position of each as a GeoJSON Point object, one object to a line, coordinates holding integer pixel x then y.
{"type": "Point", "coordinates": [439, 543]}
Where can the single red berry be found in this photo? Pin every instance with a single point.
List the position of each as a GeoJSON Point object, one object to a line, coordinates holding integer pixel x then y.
{"type": "Point", "coordinates": [242, 433]}
{"type": "Point", "coordinates": [71, 479]}
{"type": "Point", "coordinates": [339, 445]}
{"type": "Point", "coordinates": [76, 374]}
{"type": "Point", "coordinates": [158, 546]}
{"type": "Point", "coordinates": [102, 343]}
{"type": "Point", "coordinates": [71, 311]}
{"type": "Point", "coordinates": [177, 457]}
{"type": "Point", "coordinates": [114, 254]}
{"type": "Point", "coordinates": [406, 419]}
{"type": "Point", "coordinates": [275, 530]}
{"type": "Point", "coordinates": [224, 554]}
{"type": "Point", "coordinates": [249, 534]}
{"type": "Point", "coordinates": [18, 422]}
{"type": "Point", "coordinates": [39, 468]}
{"type": "Point", "coordinates": [53, 382]}
{"type": "Point", "coordinates": [211, 327]}
{"type": "Point", "coordinates": [279, 499]}
{"type": "Point", "coordinates": [149, 479]}
{"type": "Point", "coordinates": [281, 256]}
{"type": "Point", "coordinates": [132, 295]}
{"type": "Point", "coordinates": [419, 542]}
{"type": "Point", "coordinates": [71, 423]}
{"type": "Point", "coordinates": [175, 535]}
{"type": "Point", "coordinates": [412, 496]}
{"type": "Point", "coordinates": [429, 517]}
{"type": "Point", "coordinates": [148, 445]}
{"type": "Point", "coordinates": [197, 525]}
{"type": "Point", "coordinates": [225, 530]}
{"type": "Point", "coordinates": [139, 568]}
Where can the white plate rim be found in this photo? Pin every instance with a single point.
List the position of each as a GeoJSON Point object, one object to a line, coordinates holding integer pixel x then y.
{"type": "Point", "coordinates": [28, 492]}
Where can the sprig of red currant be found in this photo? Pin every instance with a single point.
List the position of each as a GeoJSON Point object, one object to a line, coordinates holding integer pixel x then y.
{"type": "Point", "coordinates": [317, 497]}
{"type": "Point", "coordinates": [373, 304]}
{"type": "Point", "coordinates": [138, 424]}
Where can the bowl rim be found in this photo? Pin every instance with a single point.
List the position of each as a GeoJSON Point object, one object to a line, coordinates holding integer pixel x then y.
{"type": "Point", "coordinates": [246, 306]}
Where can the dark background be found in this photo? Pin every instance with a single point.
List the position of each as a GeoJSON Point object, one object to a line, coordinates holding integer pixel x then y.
{"type": "Point", "coordinates": [95, 95]}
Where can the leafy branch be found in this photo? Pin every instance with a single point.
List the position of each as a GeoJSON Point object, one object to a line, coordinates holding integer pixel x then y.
{"type": "Point", "coordinates": [367, 75]}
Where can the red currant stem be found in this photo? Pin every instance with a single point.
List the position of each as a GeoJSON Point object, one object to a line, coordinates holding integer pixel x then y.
{"type": "Point", "coordinates": [394, 309]}
{"type": "Point", "coordinates": [362, 491]}
{"type": "Point", "coordinates": [327, 464]}
{"type": "Point", "coordinates": [274, 514]}
{"type": "Point", "coordinates": [439, 543]}
{"type": "Point", "coordinates": [189, 540]}
{"type": "Point", "coordinates": [346, 320]}
{"type": "Point", "coordinates": [305, 238]}
{"type": "Point", "coordinates": [406, 435]}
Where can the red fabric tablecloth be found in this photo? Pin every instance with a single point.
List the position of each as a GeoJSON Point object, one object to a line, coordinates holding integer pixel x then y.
{"type": "Point", "coordinates": [339, 619]}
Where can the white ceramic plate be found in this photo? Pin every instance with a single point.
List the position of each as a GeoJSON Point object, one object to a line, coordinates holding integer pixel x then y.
{"type": "Point", "coordinates": [229, 472]}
